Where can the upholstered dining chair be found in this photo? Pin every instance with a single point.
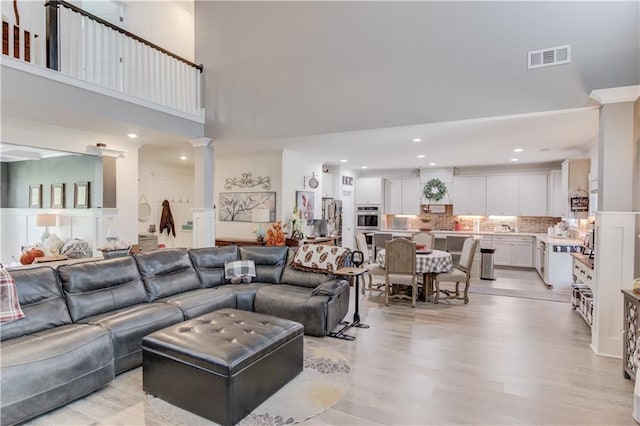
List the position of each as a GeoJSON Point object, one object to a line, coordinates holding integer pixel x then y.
{"type": "Point", "coordinates": [379, 241]}
{"type": "Point", "coordinates": [460, 273]}
{"type": "Point", "coordinates": [400, 267]}
{"type": "Point", "coordinates": [369, 263]}
{"type": "Point", "coordinates": [426, 239]}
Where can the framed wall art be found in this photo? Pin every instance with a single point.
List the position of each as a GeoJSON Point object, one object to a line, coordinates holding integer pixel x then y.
{"type": "Point", "coordinates": [238, 206]}
{"type": "Point", "coordinates": [35, 196]}
{"type": "Point", "coordinates": [305, 201]}
{"type": "Point", "coordinates": [81, 195]}
{"type": "Point", "coordinates": [57, 195]}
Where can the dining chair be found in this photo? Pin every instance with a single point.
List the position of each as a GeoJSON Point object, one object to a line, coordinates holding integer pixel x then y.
{"type": "Point", "coordinates": [400, 265]}
{"type": "Point", "coordinates": [460, 273]}
{"type": "Point", "coordinates": [379, 241]}
{"type": "Point", "coordinates": [369, 263]}
{"type": "Point", "coordinates": [454, 246]}
{"type": "Point", "coordinates": [426, 239]}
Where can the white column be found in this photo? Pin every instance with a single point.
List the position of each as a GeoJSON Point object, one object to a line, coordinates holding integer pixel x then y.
{"type": "Point", "coordinates": [203, 204]}
{"type": "Point", "coordinates": [615, 221]}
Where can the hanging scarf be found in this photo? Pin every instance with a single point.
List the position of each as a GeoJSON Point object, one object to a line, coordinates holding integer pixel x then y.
{"type": "Point", "coordinates": [166, 220]}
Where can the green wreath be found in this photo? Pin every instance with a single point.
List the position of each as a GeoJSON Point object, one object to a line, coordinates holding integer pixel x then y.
{"type": "Point", "coordinates": [435, 190]}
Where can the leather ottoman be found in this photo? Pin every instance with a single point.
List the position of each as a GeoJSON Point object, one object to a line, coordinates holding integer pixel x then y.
{"type": "Point", "coordinates": [224, 364]}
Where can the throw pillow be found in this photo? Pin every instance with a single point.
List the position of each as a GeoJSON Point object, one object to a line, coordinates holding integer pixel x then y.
{"type": "Point", "coordinates": [53, 244]}
{"type": "Point", "coordinates": [320, 258]}
{"type": "Point", "coordinates": [76, 249]}
{"type": "Point", "coordinates": [239, 271]}
{"type": "Point", "coordinates": [9, 304]}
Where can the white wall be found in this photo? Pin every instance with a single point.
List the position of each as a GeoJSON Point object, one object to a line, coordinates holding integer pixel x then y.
{"type": "Point", "coordinates": [158, 182]}
{"type": "Point", "coordinates": [233, 167]}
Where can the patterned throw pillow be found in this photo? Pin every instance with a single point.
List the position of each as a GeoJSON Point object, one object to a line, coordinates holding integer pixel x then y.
{"type": "Point", "coordinates": [320, 258]}
{"type": "Point", "coordinates": [53, 242]}
{"type": "Point", "coordinates": [239, 271]}
{"type": "Point", "coordinates": [76, 249]}
{"type": "Point", "coordinates": [9, 305]}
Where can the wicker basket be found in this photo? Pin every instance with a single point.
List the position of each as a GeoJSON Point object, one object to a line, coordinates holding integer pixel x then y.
{"type": "Point", "coordinates": [108, 254]}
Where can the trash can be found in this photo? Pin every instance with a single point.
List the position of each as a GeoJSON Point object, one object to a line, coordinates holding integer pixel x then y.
{"type": "Point", "coordinates": [486, 264]}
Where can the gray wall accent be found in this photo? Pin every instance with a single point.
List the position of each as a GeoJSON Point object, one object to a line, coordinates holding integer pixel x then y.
{"type": "Point", "coordinates": [109, 182]}
{"type": "Point", "coordinates": [4, 193]}
{"type": "Point", "coordinates": [283, 69]}
{"type": "Point", "coordinates": [67, 170]}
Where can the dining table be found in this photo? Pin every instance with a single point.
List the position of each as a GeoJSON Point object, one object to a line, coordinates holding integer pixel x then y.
{"type": "Point", "coordinates": [429, 263]}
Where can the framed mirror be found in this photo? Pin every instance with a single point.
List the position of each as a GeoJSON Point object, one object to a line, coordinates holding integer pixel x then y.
{"type": "Point", "coordinates": [144, 210]}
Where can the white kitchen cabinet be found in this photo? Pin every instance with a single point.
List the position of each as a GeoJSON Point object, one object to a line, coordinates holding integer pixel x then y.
{"type": "Point", "coordinates": [327, 185]}
{"type": "Point", "coordinates": [502, 195]}
{"type": "Point", "coordinates": [532, 195]}
{"type": "Point", "coordinates": [555, 203]}
{"type": "Point", "coordinates": [402, 196]}
{"type": "Point", "coordinates": [369, 190]}
{"type": "Point", "coordinates": [513, 251]}
{"type": "Point", "coordinates": [469, 195]}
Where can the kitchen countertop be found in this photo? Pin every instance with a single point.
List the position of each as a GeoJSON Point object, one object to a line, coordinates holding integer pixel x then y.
{"type": "Point", "coordinates": [540, 236]}
{"type": "Point", "coordinates": [583, 259]}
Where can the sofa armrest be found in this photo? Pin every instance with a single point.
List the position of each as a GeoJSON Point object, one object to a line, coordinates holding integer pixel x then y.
{"type": "Point", "coordinates": [330, 288]}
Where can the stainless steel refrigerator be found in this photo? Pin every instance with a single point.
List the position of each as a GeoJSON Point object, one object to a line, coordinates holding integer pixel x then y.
{"type": "Point", "coordinates": [332, 213]}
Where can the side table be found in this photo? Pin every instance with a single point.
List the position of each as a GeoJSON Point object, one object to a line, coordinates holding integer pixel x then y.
{"type": "Point", "coordinates": [351, 272]}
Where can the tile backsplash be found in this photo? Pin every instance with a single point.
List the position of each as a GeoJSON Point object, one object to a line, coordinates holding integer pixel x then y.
{"type": "Point", "coordinates": [446, 222]}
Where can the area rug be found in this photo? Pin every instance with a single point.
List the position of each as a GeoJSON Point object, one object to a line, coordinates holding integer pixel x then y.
{"type": "Point", "coordinates": [323, 382]}
{"type": "Point", "coordinates": [551, 296]}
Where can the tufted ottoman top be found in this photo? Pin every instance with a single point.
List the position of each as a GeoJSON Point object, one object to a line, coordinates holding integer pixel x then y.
{"type": "Point", "coordinates": [224, 341]}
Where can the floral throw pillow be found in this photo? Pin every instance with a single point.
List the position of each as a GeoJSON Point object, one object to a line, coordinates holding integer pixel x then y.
{"type": "Point", "coordinates": [320, 258]}
{"type": "Point", "coordinates": [9, 305]}
{"type": "Point", "coordinates": [76, 249]}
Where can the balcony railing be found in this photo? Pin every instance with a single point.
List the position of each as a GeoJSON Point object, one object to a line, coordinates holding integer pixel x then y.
{"type": "Point", "coordinates": [89, 48]}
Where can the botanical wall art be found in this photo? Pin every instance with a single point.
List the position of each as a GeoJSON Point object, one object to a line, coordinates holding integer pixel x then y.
{"type": "Point", "coordinates": [57, 195]}
{"type": "Point", "coordinates": [35, 196]}
{"type": "Point", "coordinates": [81, 195]}
{"type": "Point", "coordinates": [304, 200]}
{"type": "Point", "coordinates": [237, 206]}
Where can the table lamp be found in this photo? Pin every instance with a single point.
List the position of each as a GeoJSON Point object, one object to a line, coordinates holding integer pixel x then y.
{"type": "Point", "coordinates": [260, 216]}
{"type": "Point", "coordinates": [46, 220]}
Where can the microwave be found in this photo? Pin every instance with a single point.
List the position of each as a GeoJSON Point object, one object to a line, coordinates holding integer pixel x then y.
{"type": "Point", "coordinates": [368, 217]}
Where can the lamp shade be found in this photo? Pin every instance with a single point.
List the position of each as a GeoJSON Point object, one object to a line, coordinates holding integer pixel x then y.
{"type": "Point", "coordinates": [46, 219]}
{"type": "Point", "coordinates": [260, 215]}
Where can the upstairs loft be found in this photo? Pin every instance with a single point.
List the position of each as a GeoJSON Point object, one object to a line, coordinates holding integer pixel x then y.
{"type": "Point", "coordinates": [78, 63]}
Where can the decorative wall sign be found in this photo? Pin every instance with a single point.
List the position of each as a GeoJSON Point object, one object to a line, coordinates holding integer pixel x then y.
{"type": "Point", "coordinates": [247, 181]}
{"type": "Point", "coordinates": [81, 195]}
{"type": "Point", "coordinates": [237, 206]}
{"type": "Point", "coordinates": [35, 196]}
{"type": "Point", "coordinates": [57, 195]}
{"type": "Point", "coordinates": [305, 201]}
{"type": "Point", "coordinates": [579, 204]}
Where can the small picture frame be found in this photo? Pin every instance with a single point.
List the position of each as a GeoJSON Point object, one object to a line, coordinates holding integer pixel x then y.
{"type": "Point", "coordinates": [81, 195]}
{"type": "Point", "coordinates": [347, 180]}
{"type": "Point", "coordinates": [35, 196]}
{"type": "Point", "coordinates": [57, 195]}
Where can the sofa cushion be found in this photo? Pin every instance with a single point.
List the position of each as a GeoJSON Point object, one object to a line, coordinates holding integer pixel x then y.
{"type": "Point", "coordinates": [41, 299]}
{"type": "Point", "coordinates": [47, 369]}
{"type": "Point", "coordinates": [167, 272]}
{"type": "Point", "coordinates": [209, 263]}
{"type": "Point", "coordinates": [294, 303]}
{"type": "Point", "coordinates": [269, 262]}
{"type": "Point", "coordinates": [320, 258]}
{"type": "Point", "coordinates": [128, 326]}
{"type": "Point", "coordinates": [9, 304]}
{"type": "Point", "coordinates": [101, 286]}
{"type": "Point", "coordinates": [245, 294]}
{"type": "Point", "coordinates": [302, 278]}
{"type": "Point", "coordinates": [201, 301]}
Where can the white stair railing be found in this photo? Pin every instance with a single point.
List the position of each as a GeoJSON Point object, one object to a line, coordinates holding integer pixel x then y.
{"type": "Point", "coordinates": [86, 47]}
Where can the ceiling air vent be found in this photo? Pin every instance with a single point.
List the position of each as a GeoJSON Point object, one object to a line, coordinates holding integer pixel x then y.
{"type": "Point", "coordinates": [550, 56]}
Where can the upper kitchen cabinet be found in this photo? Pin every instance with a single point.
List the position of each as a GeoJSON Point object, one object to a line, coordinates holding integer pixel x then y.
{"type": "Point", "coordinates": [369, 190]}
{"type": "Point", "coordinates": [502, 195]}
{"type": "Point", "coordinates": [469, 195]}
{"type": "Point", "coordinates": [555, 202]}
{"type": "Point", "coordinates": [402, 196]}
{"type": "Point", "coordinates": [517, 195]}
{"type": "Point", "coordinates": [327, 185]}
{"type": "Point", "coordinates": [532, 195]}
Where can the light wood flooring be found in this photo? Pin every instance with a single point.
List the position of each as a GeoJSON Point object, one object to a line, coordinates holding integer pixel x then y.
{"type": "Point", "coordinates": [496, 361]}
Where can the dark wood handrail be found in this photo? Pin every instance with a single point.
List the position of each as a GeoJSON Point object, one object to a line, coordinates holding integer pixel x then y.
{"type": "Point", "coordinates": [56, 3]}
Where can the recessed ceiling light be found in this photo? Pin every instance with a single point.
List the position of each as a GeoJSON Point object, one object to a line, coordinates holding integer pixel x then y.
{"type": "Point", "coordinates": [183, 157]}
{"type": "Point", "coordinates": [363, 167]}
{"type": "Point", "coordinates": [132, 135]}
{"type": "Point", "coordinates": [421, 156]}
{"type": "Point", "coordinates": [344, 161]}
{"type": "Point", "coordinates": [417, 140]}
{"type": "Point", "coordinates": [515, 159]}
{"type": "Point", "coordinates": [518, 150]}
{"type": "Point", "coordinates": [432, 164]}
